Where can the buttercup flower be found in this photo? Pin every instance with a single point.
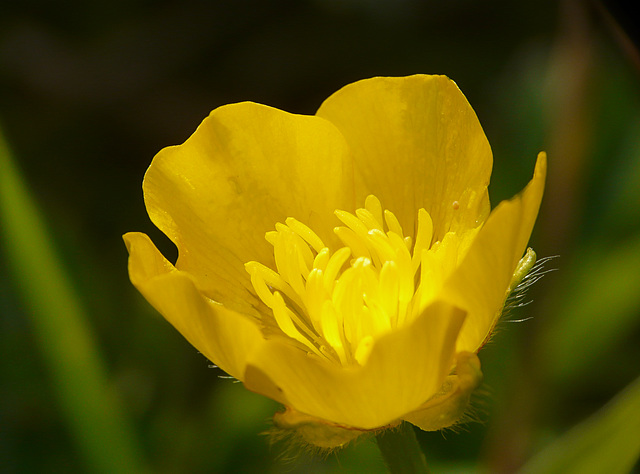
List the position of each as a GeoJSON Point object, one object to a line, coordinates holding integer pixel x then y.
{"type": "Point", "coordinates": [346, 264]}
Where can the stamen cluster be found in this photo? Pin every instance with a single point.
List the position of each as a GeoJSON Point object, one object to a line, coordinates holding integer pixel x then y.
{"type": "Point", "coordinates": [337, 303]}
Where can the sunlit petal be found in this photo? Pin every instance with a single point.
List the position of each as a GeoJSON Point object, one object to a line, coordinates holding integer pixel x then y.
{"type": "Point", "coordinates": [246, 167]}
{"type": "Point", "coordinates": [416, 143]}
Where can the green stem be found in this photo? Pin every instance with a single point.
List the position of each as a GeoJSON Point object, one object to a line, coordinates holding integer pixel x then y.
{"type": "Point", "coordinates": [401, 451]}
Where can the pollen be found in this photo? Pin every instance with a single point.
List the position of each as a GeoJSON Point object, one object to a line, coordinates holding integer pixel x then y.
{"type": "Point", "coordinates": [336, 303]}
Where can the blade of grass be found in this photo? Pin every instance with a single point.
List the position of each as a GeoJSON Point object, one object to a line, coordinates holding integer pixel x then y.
{"type": "Point", "coordinates": [102, 432]}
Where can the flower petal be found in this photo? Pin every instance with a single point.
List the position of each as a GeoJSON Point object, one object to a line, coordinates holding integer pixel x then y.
{"type": "Point", "coordinates": [481, 282]}
{"type": "Point", "coordinates": [416, 142]}
{"type": "Point", "coordinates": [449, 405]}
{"type": "Point", "coordinates": [404, 369]}
{"type": "Point", "coordinates": [245, 168]}
{"type": "Point", "coordinates": [224, 337]}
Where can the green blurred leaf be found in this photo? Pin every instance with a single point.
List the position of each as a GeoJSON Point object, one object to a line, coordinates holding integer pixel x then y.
{"type": "Point", "coordinates": [598, 310]}
{"type": "Point", "coordinates": [59, 322]}
{"type": "Point", "coordinates": [607, 442]}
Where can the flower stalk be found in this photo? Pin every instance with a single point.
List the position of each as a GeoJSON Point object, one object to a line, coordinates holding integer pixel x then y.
{"type": "Point", "coordinates": [401, 451]}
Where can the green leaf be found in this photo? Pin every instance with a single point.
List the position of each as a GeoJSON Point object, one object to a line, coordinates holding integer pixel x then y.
{"type": "Point", "coordinates": [608, 441]}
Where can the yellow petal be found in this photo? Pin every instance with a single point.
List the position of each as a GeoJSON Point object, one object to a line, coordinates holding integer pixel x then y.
{"type": "Point", "coordinates": [481, 282]}
{"type": "Point", "coordinates": [404, 369]}
{"type": "Point", "coordinates": [449, 405]}
{"type": "Point", "coordinates": [416, 142]}
{"type": "Point", "coordinates": [224, 337]}
{"type": "Point", "coordinates": [245, 168]}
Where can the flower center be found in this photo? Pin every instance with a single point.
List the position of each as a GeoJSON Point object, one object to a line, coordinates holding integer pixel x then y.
{"type": "Point", "coordinates": [337, 303]}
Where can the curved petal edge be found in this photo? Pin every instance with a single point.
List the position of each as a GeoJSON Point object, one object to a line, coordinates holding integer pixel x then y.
{"type": "Point", "coordinates": [449, 405]}
{"type": "Point", "coordinates": [226, 338]}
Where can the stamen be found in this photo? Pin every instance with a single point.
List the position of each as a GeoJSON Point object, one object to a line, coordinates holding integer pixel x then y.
{"type": "Point", "coordinates": [285, 319]}
{"type": "Point", "coordinates": [423, 238]}
{"type": "Point", "coordinates": [372, 204]}
{"type": "Point", "coordinates": [352, 241]}
{"type": "Point", "coordinates": [368, 219]}
{"type": "Point", "coordinates": [316, 295]}
{"type": "Point", "coordinates": [392, 223]}
{"type": "Point", "coordinates": [271, 279]}
{"type": "Point", "coordinates": [336, 262]}
{"type": "Point", "coordinates": [337, 309]}
{"type": "Point", "coordinates": [333, 332]}
{"type": "Point", "coordinates": [288, 262]}
{"type": "Point", "coordinates": [389, 290]}
{"type": "Point", "coordinates": [307, 234]}
{"type": "Point", "coordinates": [382, 245]}
{"type": "Point", "coordinates": [352, 222]}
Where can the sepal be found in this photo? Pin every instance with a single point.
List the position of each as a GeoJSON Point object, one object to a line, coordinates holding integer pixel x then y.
{"type": "Point", "coordinates": [315, 431]}
{"type": "Point", "coordinates": [448, 406]}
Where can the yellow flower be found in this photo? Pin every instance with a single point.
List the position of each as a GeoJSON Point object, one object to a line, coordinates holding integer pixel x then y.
{"type": "Point", "coordinates": [345, 264]}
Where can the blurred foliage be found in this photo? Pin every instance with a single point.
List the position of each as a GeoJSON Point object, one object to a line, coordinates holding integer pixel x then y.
{"type": "Point", "coordinates": [606, 442]}
{"type": "Point", "coordinates": [90, 91]}
{"type": "Point", "coordinates": [60, 327]}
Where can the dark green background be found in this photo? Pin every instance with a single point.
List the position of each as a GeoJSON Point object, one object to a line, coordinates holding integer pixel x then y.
{"type": "Point", "coordinates": [90, 91]}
